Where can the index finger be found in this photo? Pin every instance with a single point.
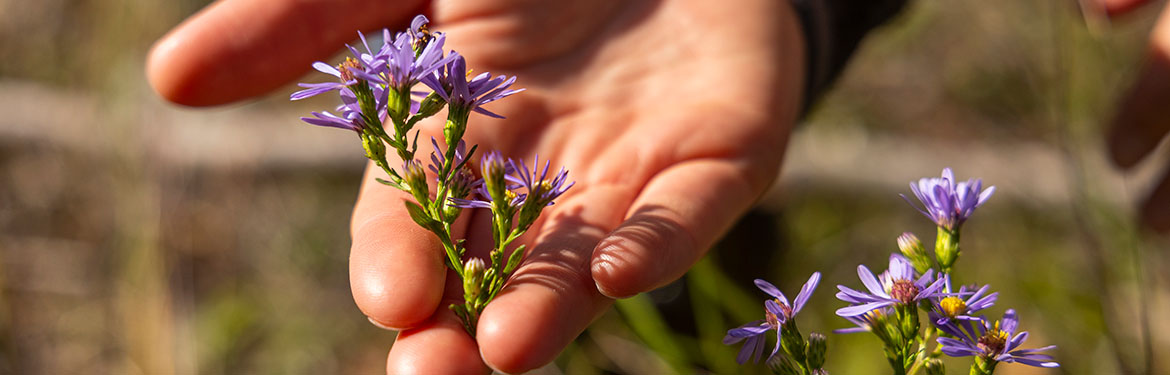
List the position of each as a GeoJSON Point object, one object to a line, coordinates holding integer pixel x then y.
{"type": "Point", "coordinates": [236, 49]}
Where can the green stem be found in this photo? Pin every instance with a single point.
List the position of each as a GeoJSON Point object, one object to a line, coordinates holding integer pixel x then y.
{"type": "Point", "coordinates": [946, 249]}
{"type": "Point", "coordinates": [983, 366]}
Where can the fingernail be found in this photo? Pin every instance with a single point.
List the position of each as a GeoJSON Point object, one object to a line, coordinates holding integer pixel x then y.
{"type": "Point", "coordinates": [380, 325]}
{"type": "Point", "coordinates": [605, 292]}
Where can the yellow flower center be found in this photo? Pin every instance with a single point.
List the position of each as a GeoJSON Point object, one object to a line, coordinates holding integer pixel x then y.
{"type": "Point", "coordinates": [953, 306]}
{"type": "Point", "coordinates": [344, 67]}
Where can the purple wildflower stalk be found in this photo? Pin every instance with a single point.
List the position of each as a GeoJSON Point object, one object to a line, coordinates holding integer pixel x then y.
{"type": "Point", "coordinates": [375, 86]}
{"type": "Point", "coordinates": [778, 314]}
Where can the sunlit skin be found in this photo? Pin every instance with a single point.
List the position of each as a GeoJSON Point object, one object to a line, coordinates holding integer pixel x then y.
{"type": "Point", "coordinates": [672, 117]}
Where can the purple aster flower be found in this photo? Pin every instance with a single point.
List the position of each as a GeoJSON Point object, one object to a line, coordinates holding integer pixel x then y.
{"type": "Point", "coordinates": [897, 286]}
{"type": "Point", "coordinates": [946, 202]}
{"type": "Point", "coordinates": [438, 158]}
{"type": "Point", "coordinates": [367, 66]}
{"type": "Point", "coordinates": [344, 80]}
{"type": "Point", "coordinates": [961, 305]}
{"type": "Point", "coordinates": [495, 164]}
{"type": "Point", "coordinates": [993, 341]}
{"type": "Point", "coordinates": [537, 183]}
{"type": "Point", "coordinates": [777, 312]}
{"type": "Point", "coordinates": [452, 85]}
{"type": "Point", "coordinates": [406, 69]}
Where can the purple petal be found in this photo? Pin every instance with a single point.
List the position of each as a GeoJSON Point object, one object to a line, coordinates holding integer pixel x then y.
{"type": "Point", "coordinates": [775, 309]}
{"type": "Point", "coordinates": [1010, 321]}
{"type": "Point", "coordinates": [985, 195]}
{"type": "Point", "coordinates": [771, 290]}
{"type": "Point", "coordinates": [487, 113]}
{"type": "Point", "coordinates": [870, 282]}
{"type": "Point", "coordinates": [853, 296]}
{"type": "Point", "coordinates": [862, 309]}
{"type": "Point", "coordinates": [1033, 351]}
{"type": "Point", "coordinates": [327, 69]}
{"type": "Point", "coordinates": [1035, 363]}
{"type": "Point", "coordinates": [806, 291]}
{"type": "Point", "coordinates": [851, 330]}
{"type": "Point", "coordinates": [938, 284]}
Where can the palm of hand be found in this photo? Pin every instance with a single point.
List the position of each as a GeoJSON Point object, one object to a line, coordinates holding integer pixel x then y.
{"type": "Point", "coordinates": [671, 117]}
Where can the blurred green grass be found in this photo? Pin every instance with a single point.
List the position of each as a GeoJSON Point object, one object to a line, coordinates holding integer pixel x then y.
{"type": "Point", "coordinates": [114, 261]}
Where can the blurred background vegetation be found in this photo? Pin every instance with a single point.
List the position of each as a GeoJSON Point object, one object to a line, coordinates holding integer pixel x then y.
{"type": "Point", "coordinates": [141, 238]}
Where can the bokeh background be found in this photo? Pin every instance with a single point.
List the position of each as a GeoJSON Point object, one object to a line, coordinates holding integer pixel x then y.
{"type": "Point", "coordinates": [141, 238]}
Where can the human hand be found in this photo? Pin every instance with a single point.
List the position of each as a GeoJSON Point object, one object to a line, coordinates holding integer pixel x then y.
{"type": "Point", "coordinates": [671, 116]}
{"type": "Point", "coordinates": [1143, 119]}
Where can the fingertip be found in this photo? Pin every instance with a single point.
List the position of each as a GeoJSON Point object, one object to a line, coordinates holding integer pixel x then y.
{"type": "Point", "coordinates": [439, 347]}
{"type": "Point", "coordinates": [622, 268]}
{"type": "Point", "coordinates": [396, 278]}
{"type": "Point", "coordinates": [517, 335]}
{"type": "Point", "coordinates": [607, 275]}
{"type": "Point", "coordinates": [536, 316]}
{"type": "Point", "coordinates": [167, 74]}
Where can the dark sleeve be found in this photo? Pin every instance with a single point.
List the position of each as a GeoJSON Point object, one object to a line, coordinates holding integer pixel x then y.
{"type": "Point", "coordinates": [832, 30]}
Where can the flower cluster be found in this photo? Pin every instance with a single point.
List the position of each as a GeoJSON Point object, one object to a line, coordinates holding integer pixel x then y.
{"type": "Point", "coordinates": [779, 316]}
{"type": "Point", "coordinates": [893, 301]}
{"type": "Point", "coordinates": [376, 86]}
{"type": "Point", "coordinates": [911, 286]}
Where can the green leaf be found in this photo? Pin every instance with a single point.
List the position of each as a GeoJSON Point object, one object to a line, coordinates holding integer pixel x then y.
{"type": "Point", "coordinates": [391, 183]}
{"type": "Point", "coordinates": [421, 218]}
{"type": "Point", "coordinates": [514, 260]}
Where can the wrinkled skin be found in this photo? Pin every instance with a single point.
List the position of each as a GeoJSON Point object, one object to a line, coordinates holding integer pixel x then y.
{"type": "Point", "coordinates": [672, 117]}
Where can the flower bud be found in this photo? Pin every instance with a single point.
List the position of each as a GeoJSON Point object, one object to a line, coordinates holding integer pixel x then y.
{"type": "Point", "coordinates": [456, 123]}
{"type": "Point", "coordinates": [783, 365]}
{"type": "Point", "coordinates": [495, 169]}
{"type": "Point", "coordinates": [817, 346]}
{"type": "Point", "coordinates": [430, 105]}
{"type": "Point", "coordinates": [398, 106]}
{"type": "Point", "coordinates": [934, 366]}
{"type": "Point", "coordinates": [946, 249]}
{"type": "Point", "coordinates": [820, 371]}
{"type": "Point", "coordinates": [461, 186]}
{"type": "Point", "coordinates": [473, 276]}
{"type": "Point", "coordinates": [912, 248]}
{"type": "Point", "coordinates": [375, 149]}
{"type": "Point", "coordinates": [416, 179]}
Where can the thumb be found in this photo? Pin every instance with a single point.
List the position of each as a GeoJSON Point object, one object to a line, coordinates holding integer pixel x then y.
{"type": "Point", "coordinates": [235, 49]}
